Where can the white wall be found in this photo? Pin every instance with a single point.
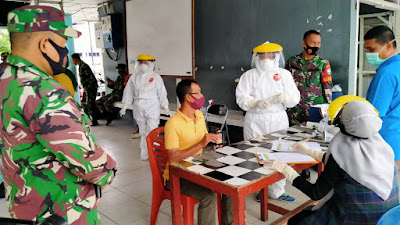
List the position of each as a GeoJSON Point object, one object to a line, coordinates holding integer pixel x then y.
{"type": "Point", "coordinates": [86, 45]}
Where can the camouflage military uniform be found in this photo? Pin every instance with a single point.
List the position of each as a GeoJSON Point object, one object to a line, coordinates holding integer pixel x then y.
{"type": "Point", "coordinates": [49, 160]}
{"type": "Point", "coordinates": [314, 81]}
{"type": "Point", "coordinates": [89, 84]}
{"type": "Point", "coordinates": [105, 103]}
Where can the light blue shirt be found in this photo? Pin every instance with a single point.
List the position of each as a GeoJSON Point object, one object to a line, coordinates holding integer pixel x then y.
{"type": "Point", "coordinates": [384, 94]}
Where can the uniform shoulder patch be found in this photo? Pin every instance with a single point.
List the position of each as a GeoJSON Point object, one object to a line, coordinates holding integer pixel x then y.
{"type": "Point", "coordinates": [327, 77]}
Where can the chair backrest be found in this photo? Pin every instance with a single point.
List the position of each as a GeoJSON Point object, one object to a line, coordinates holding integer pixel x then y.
{"type": "Point", "coordinates": [391, 217]}
{"type": "Point", "coordinates": [157, 154]}
{"type": "Point", "coordinates": [220, 110]}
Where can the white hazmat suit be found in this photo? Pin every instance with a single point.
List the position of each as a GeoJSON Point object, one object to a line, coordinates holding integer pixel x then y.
{"type": "Point", "coordinates": [265, 91]}
{"type": "Point", "coordinates": [145, 90]}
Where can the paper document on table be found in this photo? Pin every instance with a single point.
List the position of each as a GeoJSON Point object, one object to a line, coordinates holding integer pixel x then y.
{"type": "Point", "coordinates": [303, 135]}
{"type": "Point", "coordinates": [286, 146]}
{"type": "Point", "coordinates": [278, 135]}
{"type": "Point", "coordinates": [294, 130]}
{"type": "Point", "coordinates": [295, 158]}
{"type": "Point", "coordinates": [281, 145]}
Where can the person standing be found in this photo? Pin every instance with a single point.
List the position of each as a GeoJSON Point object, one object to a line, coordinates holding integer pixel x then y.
{"type": "Point", "coordinates": [312, 75]}
{"type": "Point", "coordinates": [3, 63]}
{"type": "Point", "coordinates": [264, 92]}
{"type": "Point", "coordinates": [106, 103]}
{"type": "Point", "coordinates": [3, 67]}
{"type": "Point", "coordinates": [49, 161]}
{"type": "Point", "coordinates": [89, 84]}
{"type": "Point", "coordinates": [383, 92]}
{"type": "Point", "coordinates": [146, 91]}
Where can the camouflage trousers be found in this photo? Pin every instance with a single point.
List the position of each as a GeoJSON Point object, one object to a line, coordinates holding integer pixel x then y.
{"type": "Point", "coordinates": [89, 105]}
{"type": "Point", "coordinates": [298, 114]}
{"type": "Point", "coordinates": [105, 103]}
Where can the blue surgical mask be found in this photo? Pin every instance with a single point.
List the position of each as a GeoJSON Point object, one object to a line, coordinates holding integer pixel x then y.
{"type": "Point", "coordinates": [373, 57]}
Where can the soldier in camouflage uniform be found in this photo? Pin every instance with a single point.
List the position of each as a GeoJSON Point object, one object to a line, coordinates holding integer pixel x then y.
{"type": "Point", "coordinates": [312, 75]}
{"type": "Point", "coordinates": [49, 160]}
{"type": "Point", "coordinates": [89, 84]}
{"type": "Point", "coordinates": [3, 64]}
{"type": "Point", "coordinates": [105, 103]}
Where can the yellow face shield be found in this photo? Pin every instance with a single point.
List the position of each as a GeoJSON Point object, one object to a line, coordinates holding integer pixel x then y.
{"type": "Point", "coordinates": [337, 104]}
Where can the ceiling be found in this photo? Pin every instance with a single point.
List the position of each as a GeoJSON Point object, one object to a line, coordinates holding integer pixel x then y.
{"type": "Point", "coordinates": [81, 10]}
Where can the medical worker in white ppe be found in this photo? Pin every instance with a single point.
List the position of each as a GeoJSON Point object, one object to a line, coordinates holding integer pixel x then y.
{"type": "Point", "coordinates": [145, 90]}
{"type": "Point", "coordinates": [264, 92]}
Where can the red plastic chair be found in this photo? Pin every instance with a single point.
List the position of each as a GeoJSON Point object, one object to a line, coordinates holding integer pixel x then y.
{"type": "Point", "coordinates": [158, 159]}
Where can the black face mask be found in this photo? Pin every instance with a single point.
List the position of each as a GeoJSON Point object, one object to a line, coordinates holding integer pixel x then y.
{"type": "Point", "coordinates": [314, 50]}
{"type": "Point", "coordinates": [57, 67]}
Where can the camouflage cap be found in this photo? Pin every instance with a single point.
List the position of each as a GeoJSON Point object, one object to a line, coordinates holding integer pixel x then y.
{"type": "Point", "coordinates": [35, 18]}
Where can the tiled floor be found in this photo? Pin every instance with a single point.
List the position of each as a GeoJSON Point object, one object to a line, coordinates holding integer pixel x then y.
{"type": "Point", "coordinates": [127, 201]}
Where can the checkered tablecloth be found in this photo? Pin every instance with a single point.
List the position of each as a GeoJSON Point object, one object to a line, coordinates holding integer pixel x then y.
{"type": "Point", "coordinates": [236, 164]}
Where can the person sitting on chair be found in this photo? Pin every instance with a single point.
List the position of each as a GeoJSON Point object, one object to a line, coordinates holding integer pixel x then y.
{"type": "Point", "coordinates": [359, 182]}
{"type": "Point", "coordinates": [106, 103]}
{"type": "Point", "coordinates": [186, 135]}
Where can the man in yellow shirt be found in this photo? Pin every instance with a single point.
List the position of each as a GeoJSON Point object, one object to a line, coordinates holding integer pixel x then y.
{"type": "Point", "coordinates": [186, 135]}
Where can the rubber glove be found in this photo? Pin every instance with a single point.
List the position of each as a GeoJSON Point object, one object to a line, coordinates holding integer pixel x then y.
{"type": "Point", "coordinates": [123, 110]}
{"type": "Point", "coordinates": [302, 147]}
{"type": "Point", "coordinates": [283, 168]}
{"type": "Point", "coordinates": [262, 104]}
{"type": "Point", "coordinates": [166, 108]}
{"type": "Point", "coordinates": [279, 98]}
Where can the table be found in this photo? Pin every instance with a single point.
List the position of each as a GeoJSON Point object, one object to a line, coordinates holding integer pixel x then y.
{"type": "Point", "coordinates": [239, 175]}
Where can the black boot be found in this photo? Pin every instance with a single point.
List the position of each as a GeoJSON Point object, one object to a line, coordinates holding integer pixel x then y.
{"type": "Point", "coordinates": [109, 119]}
{"type": "Point", "coordinates": [2, 190]}
{"type": "Point", "coordinates": [94, 122]}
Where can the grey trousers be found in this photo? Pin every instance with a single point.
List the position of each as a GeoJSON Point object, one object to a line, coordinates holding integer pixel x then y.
{"type": "Point", "coordinates": [207, 211]}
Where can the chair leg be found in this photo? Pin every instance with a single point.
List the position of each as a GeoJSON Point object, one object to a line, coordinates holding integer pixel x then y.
{"type": "Point", "coordinates": [188, 213]}
{"type": "Point", "coordinates": [219, 199]}
{"type": "Point", "coordinates": [155, 208]}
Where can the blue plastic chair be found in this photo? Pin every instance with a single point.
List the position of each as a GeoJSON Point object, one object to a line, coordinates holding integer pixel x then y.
{"type": "Point", "coordinates": [391, 217]}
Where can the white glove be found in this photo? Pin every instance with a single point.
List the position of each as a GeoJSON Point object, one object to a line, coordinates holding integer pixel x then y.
{"type": "Point", "coordinates": [283, 168]}
{"type": "Point", "coordinates": [252, 103]}
{"type": "Point", "coordinates": [166, 108]}
{"type": "Point", "coordinates": [123, 110]}
{"type": "Point", "coordinates": [279, 98]}
{"type": "Point", "coordinates": [302, 147]}
{"type": "Point", "coordinates": [263, 104]}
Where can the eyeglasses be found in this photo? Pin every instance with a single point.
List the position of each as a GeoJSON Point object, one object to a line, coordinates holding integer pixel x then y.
{"type": "Point", "coordinates": [195, 93]}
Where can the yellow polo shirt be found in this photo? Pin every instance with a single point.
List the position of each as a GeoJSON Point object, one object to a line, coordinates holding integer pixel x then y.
{"type": "Point", "coordinates": [181, 133]}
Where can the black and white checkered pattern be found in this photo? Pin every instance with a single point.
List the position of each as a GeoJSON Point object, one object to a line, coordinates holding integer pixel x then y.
{"type": "Point", "coordinates": [236, 164]}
